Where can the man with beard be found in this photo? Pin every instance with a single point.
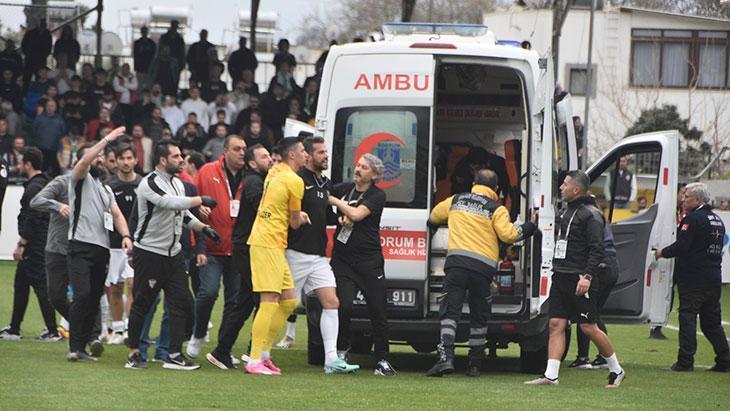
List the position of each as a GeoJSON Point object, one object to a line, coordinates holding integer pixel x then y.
{"type": "Point", "coordinates": [163, 209]}
{"type": "Point", "coordinates": [307, 249]}
{"type": "Point", "coordinates": [124, 186]}
{"type": "Point", "coordinates": [93, 213]}
{"type": "Point", "coordinates": [257, 162]}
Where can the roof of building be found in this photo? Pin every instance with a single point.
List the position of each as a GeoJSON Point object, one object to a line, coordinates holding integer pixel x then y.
{"type": "Point", "coordinates": [669, 13]}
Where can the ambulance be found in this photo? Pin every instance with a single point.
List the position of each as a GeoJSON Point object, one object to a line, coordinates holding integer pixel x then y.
{"type": "Point", "coordinates": [436, 101]}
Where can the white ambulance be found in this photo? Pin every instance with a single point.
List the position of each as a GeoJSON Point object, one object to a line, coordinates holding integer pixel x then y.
{"type": "Point", "coordinates": [435, 101]}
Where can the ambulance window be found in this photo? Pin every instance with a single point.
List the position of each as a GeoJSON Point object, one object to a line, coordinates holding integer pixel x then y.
{"type": "Point", "coordinates": [625, 183]}
{"type": "Point", "coordinates": [398, 136]}
{"type": "Point", "coordinates": [560, 159]}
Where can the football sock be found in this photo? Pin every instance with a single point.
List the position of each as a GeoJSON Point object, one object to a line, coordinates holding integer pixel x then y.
{"type": "Point", "coordinates": [329, 325]}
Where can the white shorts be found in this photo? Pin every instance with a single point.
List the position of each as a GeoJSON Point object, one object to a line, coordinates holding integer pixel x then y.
{"type": "Point", "coordinates": [119, 269]}
{"type": "Point", "coordinates": [310, 272]}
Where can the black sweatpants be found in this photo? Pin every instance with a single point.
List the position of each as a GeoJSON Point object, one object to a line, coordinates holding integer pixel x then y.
{"type": "Point", "coordinates": [605, 285]}
{"type": "Point", "coordinates": [154, 272]}
{"type": "Point", "coordinates": [30, 272]}
{"type": "Point", "coordinates": [87, 269]}
{"type": "Point", "coordinates": [239, 310]}
{"type": "Point", "coordinates": [57, 280]}
{"type": "Point", "coordinates": [459, 281]}
{"type": "Point", "coordinates": [705, 303]}
{"type": "Point", "coordinates": [366, 274]}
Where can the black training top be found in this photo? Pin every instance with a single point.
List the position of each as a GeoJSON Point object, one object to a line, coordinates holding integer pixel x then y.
{"type": "Point", "coordinates": [312, 238]}
{"type": "Point", "coordinates": [365, 237]}
{"type": "Point", "coordinates": [253, 189]}
{"type": "Point", "coordinates": [125, 192]}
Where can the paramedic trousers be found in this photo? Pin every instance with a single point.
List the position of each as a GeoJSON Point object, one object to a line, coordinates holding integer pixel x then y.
{"type": "Point", "coordinates": [704, 302]}
{"type": "Point", "coordinates": [154, 272]}
{"type": "Point", "coordinates": [459, 281]}
{"type": "Point", "coordinates": [366, 274]}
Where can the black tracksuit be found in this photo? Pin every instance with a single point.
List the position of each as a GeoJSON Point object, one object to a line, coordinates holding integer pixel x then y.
{"type": "Point", "coordinates": [698, 250]}
{"type": "Point", "coordinates": [33, 227]}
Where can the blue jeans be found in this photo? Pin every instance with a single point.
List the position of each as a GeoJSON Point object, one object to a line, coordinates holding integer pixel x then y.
{"type": "Point", "coordinates": [162, 344]}
{"type": "Point", "coordinates": [210, 281]}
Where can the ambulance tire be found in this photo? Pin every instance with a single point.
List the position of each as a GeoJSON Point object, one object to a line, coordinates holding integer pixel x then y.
{"type": "Point", "coordinates": [533, 362]}
{"type": "Point", "coordinates": [361, 343]}
{"type": "Point", "coordinates": [424, 347]}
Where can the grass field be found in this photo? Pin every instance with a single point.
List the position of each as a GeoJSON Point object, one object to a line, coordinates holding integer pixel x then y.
{"type": "Point", "coordinates": [36, 375]}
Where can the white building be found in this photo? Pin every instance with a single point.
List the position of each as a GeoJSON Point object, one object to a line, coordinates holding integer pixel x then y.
{"type": "Point", "coordinates": [641, 59]}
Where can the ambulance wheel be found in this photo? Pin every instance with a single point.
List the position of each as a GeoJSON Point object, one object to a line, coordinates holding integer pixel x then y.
{"type": "Point", "coordinates": [533, 362]}
{"type": "Point", "coordinates": [424, 347]}
{"type": "Point", "coordinates": [361, 343]}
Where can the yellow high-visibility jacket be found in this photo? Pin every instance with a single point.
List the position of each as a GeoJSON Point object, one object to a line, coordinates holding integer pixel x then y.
{"type": "Point", "coordinates": [477, 222]}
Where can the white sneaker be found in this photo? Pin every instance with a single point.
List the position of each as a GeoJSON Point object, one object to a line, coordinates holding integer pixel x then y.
{"type": "Point", "coordinates": [245, 358]}
{"type": "Point", "coordinates": [116, 339]}
{"type": "Point", "coordinates": [285, 343]}
{"type": "Point", "coordinates": [234, 360]}
{"type": "Point", "coordinates": [194, 346]}
{"type": "Point", "coordinates": [542, 381]}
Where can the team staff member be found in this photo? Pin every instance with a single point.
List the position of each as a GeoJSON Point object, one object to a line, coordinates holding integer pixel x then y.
{"type": "Point", "coordinates": [280, 208]}
{"type": "Point", "coordinates": [124, 186]}
{"type": "Point", "coordinates": [578, 254]}
{"type": "Point", "coordinates": [307, 249]}
{"type": "Point", "coordinates": [163, 209]}
{"type": "Point", "coordinates": [221, 179]}
{"type": "Point", "coordinates": [258, 162]}
{"type": "Point", "coordinates": [477, 223]}
{"type": "Point", "coordinates": [94, 212]}
{"type": "Point", "coordinates": [357, 258]}
{"type": "Point", "coordinates": [698, 276]}
{"type": "Point", "coordinates": [30, 272]}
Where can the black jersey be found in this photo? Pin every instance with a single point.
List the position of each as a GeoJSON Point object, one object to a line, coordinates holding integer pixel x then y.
{"type": "Point", "coordinates": [125, 192]}
{"type": "Point", "coordinates": [312, 238]}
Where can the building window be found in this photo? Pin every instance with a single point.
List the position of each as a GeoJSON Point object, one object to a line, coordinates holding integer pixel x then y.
{"type": "Point", "coordinates": [680, 58]}
{"type": "Point", "coordinates": [578, 78]}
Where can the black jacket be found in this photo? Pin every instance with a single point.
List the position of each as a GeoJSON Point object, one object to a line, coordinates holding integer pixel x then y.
{"type": "Point", "coordinates": [144, 53]}
{"type": "Point", "coordinates": [698, 249]}
{"type": "Point", "coordinates": [585, 251]}
{"type": "Point", "coordinates": [32, 224]}
{"type": "Point", "coordinates": [253, 189]}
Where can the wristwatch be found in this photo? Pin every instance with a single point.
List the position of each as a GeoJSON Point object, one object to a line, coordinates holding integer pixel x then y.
{"type": "Point", "coordinates": [588, 277]}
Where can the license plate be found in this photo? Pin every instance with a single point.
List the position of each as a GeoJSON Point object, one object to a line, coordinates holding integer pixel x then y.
{"type": "Point", "coordinates": [395, 297]}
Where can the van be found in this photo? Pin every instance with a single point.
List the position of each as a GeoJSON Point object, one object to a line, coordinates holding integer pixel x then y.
{"type": "Point", "coordinates": [434, 102]}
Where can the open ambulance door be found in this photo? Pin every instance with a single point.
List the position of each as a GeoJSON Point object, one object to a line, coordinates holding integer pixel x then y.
{"type": "Point", "coordinates": [292, 128]}
{"type": "Point", "coordinates": [566, 142]}
{"type": "Point", "coordinates": [642, 293]}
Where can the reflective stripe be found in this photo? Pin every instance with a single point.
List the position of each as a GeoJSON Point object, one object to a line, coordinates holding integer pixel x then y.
{"type": "Point", "coordinates": [478, 331]}
{"type": "Point", "coordinates": [486, 260]}
{"type": "Point", "coordinates": [448, 322]}
{"type": "Point", "coordinates": [448, 331]}
{"type": "Point", "coordinates": [475, 342]}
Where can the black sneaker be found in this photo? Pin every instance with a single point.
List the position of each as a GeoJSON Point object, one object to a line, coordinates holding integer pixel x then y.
{"type": "Point", "coordinates": [136, 362]}
{"type": "Point", "coordinates": [9, 334]}
{"type": "Point", "coordinates": [49, 336]}
{"type": "Point", "coordinates": [581, 363]}
{"type": "Point", "coordinates": [719, 368]}
{"type": "Point", "coordinates": [614, 379]}
{"type": "Point", "coordinates": [677, 367]}
{"type": "Point", "coordinates": [474, 369]}
{"type": "Point", "coordinates": [383, 368]}
{"type": "Point", "coordinates": [223, 362]}
{"type": "Point", "coordinates": [179, 362]}
{"type": "Point", "coordinates": [657, 334]}
{"type": "Point", "coordinates": [599, 362]}
{"type": "Point", "coordinates": [443, 366]}
{"type": "Point", "coordinates": [96, 347]}
{"type": "Point", "coordinates": [75, 356]}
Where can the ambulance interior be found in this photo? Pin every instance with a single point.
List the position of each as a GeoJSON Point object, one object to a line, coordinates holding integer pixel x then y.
{"type": "Point", "coordinates": [480, 121]}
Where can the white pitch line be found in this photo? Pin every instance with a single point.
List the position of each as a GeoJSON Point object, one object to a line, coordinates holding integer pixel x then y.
{"type": "Point", "coordinates": [671, 327]}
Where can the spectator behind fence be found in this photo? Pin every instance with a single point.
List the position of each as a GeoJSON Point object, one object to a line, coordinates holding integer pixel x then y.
{"type": "Point", "coordinates": [214, 147]}
{"type": "Point", "coordinates": [244, 116]}
{"type": "Point", "coordinates": [221, 103]}
{"type": "Point", "coordinates": [142, 109]}
{"type": "Point", "coordinates": [61, 75]}
{"type": "Point", "coordinates": [174, 116]}
{"type": "Point", "coordinates": [274, 108]}
{"type": "Point", "coordinates": [238, 97]}
{"type": "Point", "coordinates": [194, 104]}
{"type": "Point", "coordinates": [14, 158]}
{"type": "Point", "coordinates": [144, 50]}
{"type": "Point", "coordinates": [240, 60]}
{"type": "Point", "coordinates": [143, 145]}
{"type": "Point", "coordinates": [197, 57]}
{"type": "Point", "coordinates": [49, 128]}
{"type": "Point", "coordinates": [69, 148]}
{"type": "Point", "coordinates": [155, 125]}
{"type": "Point", "coordinates": [6, 139]}
{"type": "Point", "coordinates": [214, 86]}
{"type": "Point", "coordinates": [15, 123]}
{"type": "Point", "coordinates": [176, 45]}
{"type": "Point", "coordinates": [103, 119]}
{"type": "Point", "coordinates": [87, 76]}
{"type": "Point", "coordinates": [36, 46]}
{"type": "Point", "coordinates": [68, 45]}
{"type": "Point", "coordinates": [10, 90]}
{"type": "Point", "coordinates": [191, 136]}
{"type": "Point", "coordinates": [220, 117]}
{"type": "Point", "coordinates": [125, 85]}
{"type": "Point", "coordinates": [283, 55]}
{"type": "Point", "coordinates": [11, 59]}
{"type": "Point", "coordinates": [165, 70]}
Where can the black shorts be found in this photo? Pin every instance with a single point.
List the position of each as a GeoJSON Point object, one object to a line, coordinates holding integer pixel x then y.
{"type": "Point", "coordinates": [565, 304]}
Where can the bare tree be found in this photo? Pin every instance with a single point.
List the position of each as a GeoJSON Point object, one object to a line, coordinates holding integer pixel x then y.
{"type": "Point", "coordinates": [407, 7]}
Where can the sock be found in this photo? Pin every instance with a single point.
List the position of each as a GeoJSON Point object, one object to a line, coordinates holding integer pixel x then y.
{"type": "Point", "coordinates": [265, 355]}
{"type": "Point", "coordinates": [278, 319]}
{"type": "Point", "coordinates": [613, 364]}
{"type": "Point", "coordinates": [329, 325]}
{"type": "Point", "coordinates": [260, 329]}
{"type": "Point", "coordinates": [118, 326]}
{"type": "Point", "coordinates": [291, 330]}
{"type": "Point", "coordinates": [64, 323]}
{"type": "Point", "coordinates": [553, 367]}
{"type": "Point", "coordinates": [174, 354]}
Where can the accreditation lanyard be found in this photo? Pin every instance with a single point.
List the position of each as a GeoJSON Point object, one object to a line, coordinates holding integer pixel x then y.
{"type": "Point", "coordinates": [561, 246]}
{"type": "Point", "coordinates": [345, 232]}
{"type": "Point", "coordinates": [107, 213]}
{"type": "Point", "coordinates": [234, 204]}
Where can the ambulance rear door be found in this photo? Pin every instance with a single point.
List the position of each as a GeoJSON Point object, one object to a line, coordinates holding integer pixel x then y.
{"type": "Point", "coordinates": [648, 220]}
{"type": "Point", "coordinates": [382, 104]}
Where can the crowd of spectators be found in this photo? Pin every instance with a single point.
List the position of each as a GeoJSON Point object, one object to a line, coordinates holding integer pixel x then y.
{"type": "Point", "coordinates": [64, 106]}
